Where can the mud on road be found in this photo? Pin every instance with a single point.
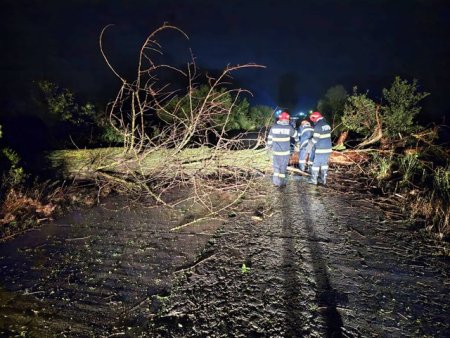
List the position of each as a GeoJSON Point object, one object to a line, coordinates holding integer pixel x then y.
{"type": "Point", "coordinates": [304, 261]}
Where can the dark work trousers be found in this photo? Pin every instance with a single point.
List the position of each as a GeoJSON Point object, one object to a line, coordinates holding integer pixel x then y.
{"type": "Point", "coordinates": [280, 163]}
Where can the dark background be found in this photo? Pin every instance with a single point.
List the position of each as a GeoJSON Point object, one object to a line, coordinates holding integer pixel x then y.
{"type": "Point", "coordinates": [307, 46]}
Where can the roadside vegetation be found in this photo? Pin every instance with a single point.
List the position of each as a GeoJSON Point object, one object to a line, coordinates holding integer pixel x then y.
{"type": "Point", "coordinates": [405, 159]}
{"type": "Point", "coordinates": [173, 126]}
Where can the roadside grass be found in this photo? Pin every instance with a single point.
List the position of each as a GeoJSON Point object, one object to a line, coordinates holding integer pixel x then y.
{"type": "Point", "coordinates": [424, 184]}
{"type": "Point", "coordinates": [24, 207]}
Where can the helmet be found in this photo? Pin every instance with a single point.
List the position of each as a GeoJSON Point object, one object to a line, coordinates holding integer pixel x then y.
{"type": "Point", "coordinates": [284, 116]}
{"type": "Point", "coordinates": [305, 123]}
{"type": "Point", "coordinates": [315, 116]}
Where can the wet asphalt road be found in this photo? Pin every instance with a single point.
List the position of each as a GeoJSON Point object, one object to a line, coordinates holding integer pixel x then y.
{"type": "Point", "coordinates": [303, 261]}
{"type": "Point", "coordinates": [320, 264]}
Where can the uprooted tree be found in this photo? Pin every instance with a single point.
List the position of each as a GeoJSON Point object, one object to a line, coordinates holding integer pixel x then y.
{"type": "Point", "coordinates": [385, 123]}
{"type": "Point", "coordinates": [361, 114]}
{"type": "Point", "coordinates": [409, 163]}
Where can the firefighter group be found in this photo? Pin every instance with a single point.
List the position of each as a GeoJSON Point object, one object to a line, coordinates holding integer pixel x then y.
{"type": "Point", "coordinates": [312, 141]}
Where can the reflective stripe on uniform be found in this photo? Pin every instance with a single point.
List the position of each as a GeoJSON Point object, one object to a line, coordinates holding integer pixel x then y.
{"type": "Point", "coordinates": [323, 151]}
{"type": "Point", "coordinates": [281, 139]}
{"type": "Point", "coordinates": [324, 136]}
{"type": "Point", "coordinates": [301, 161]}
{"type": "Point", "coordinates": [324, 167]}
{"type": "Point", "coordinates": [279, 175]}
{"type": "Point", "coordinates": [304, 144]}
{"type": "Point", "coordinates": [315, 168]}
{"type": "Point", "coordinates": [287, 152]}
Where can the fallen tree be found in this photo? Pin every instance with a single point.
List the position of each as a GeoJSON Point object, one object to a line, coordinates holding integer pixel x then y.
{"type": "Point", "coordinates": [174, 131]}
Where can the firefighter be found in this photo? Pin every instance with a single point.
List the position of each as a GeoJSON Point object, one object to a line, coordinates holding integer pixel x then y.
{"type": "Point", "coordinates": [311, 156]}
{"type": "Point", "coordinates": [279, 141]}
{"type": "Point", "coordinates": [322, 143]}
{"type": "Point", "coordinates": [305, 133]}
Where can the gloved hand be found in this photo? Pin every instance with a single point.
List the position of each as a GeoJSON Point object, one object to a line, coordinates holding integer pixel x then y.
{"type": "Point", "coordinates": [297, 147]}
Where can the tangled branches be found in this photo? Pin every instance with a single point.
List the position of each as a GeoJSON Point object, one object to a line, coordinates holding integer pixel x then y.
{"type": "Point", "coordinates": [174, 124]}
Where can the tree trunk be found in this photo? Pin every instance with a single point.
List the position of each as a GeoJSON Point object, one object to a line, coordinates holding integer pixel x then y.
{"type": "Point", "coordinates": [341, 139]}
{"type": "Point", "coordinates": [377, 134]}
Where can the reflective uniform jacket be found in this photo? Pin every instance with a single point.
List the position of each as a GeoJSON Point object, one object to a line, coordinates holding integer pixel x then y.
{"type": "Point", "coordinates": [305, 133]}
{"type": "Point", "coordinates": [279, 138]}
{"type": "Point", "coordinates": [322, 137]}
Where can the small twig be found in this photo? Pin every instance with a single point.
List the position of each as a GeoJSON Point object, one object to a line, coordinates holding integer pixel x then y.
{"type": "Point", "coordinates": [138, 305]}
{"type": "Point", "coordinates": [196, 221]}
{"type": "Point", "coordinates": [196, 264]}
{"type": "Point", "coordinates": [77, 238]}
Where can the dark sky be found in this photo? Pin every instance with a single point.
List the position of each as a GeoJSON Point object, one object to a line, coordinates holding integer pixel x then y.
{"type": "Point", "coordinates": [307, 46]}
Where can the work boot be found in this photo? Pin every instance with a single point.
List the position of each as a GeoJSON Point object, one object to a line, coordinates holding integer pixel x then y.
{"type": "Point", "coordinates": [323, 177]}
{"type": "Point", "coordinates": [313, 179]}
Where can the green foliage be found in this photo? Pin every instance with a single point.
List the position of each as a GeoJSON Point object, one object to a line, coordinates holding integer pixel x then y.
{"type": "Point", "coordinates": [401, 107]}
{"type": "Point", "coordinates": [403, 170]}
{"type": "Point", "coordinates": [423, 185]}
{"type": "Point", "coordinates": [179, 108]}
{"type": "Point", "coordinates": [244, 268]}
{"type": "Point", "coordinates": [396, 116]}
{"type": "Point", "coordinates": [12, 173]}
{"type": "Point", "coordinates": [15, 175]}
{"type": "Point", "coordinates": [60, 102]}
{"type": "Point", "coordinates": [11, 155]}
{"type": "Point", "coordinates": [359, 113]}
{"type": "Point", "coordinates": [86, 113]}
{"type": "Point", "coordinates": [201, 100]}
{"type": "Point", "coordinates": [219, 105]}
{"type": "Point", "coordinates": [332, 105]}
{"type": "Point", "coordinates": [381, 166]}
{"type": "Point", "coordinates": [238, 119]}
{"type": "Point", "coordinates": [410, 167]}
{"type": "Point", "coordinates": [441, 183]}
{"type": "Point", "coordinates": [110, 134]}
{"type": "Point", "coordinates": [243, 117]}
{"type": "Point", "coordinates": [261, 116]}
{"type": "Point", "coordinates": [85, 121]}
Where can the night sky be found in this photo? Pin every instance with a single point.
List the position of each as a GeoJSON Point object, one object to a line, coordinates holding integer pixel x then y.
{"type": "Point", "coordinates": [307, 46]}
